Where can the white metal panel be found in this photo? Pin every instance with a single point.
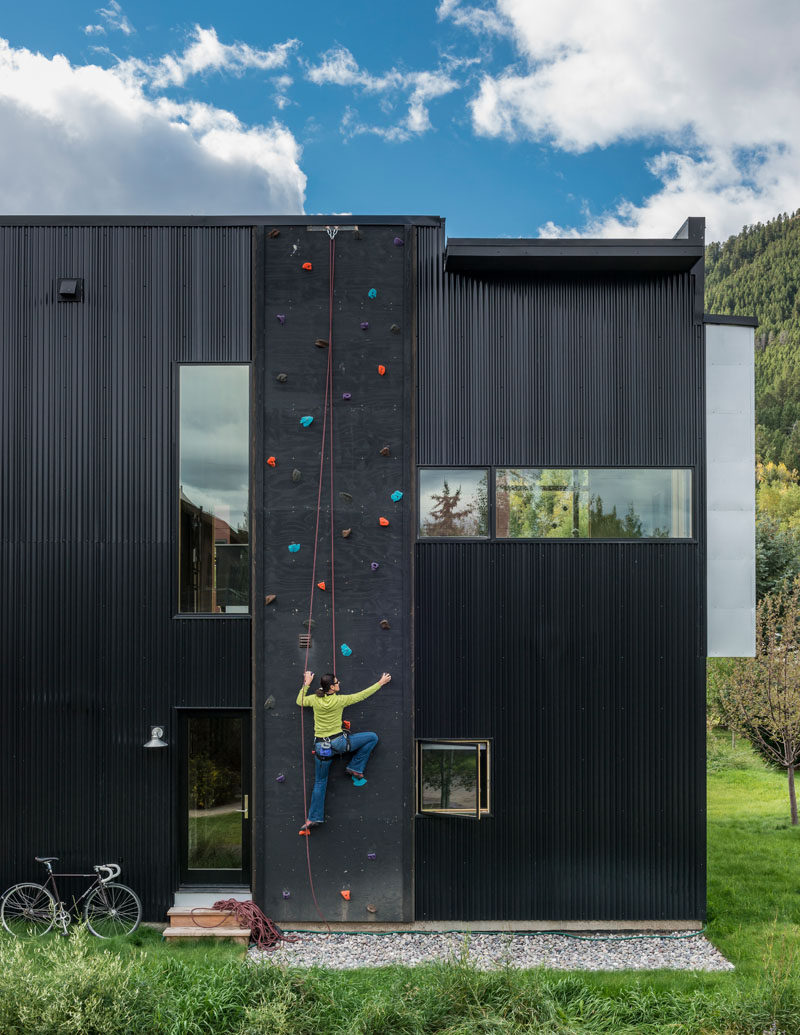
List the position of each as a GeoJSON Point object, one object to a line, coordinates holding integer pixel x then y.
{"type": "Point", "coordinates": [730, 490]}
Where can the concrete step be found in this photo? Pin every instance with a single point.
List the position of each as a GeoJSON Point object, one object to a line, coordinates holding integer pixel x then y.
{"type": "Point", "coordinates": [240, 935]}
{"type": "Point", "coordinates": [200, 917]}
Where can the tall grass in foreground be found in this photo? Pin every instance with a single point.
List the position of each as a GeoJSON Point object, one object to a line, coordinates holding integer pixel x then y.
{"type": "Point", "coordinates": [80, 986]}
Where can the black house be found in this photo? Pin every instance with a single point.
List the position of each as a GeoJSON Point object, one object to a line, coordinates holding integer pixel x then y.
{"type": "Point", "coordinates": [512, 473]}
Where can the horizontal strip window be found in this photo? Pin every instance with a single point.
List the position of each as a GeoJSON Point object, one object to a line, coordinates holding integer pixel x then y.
{"type": "Point", "coordinates": [214, 500]}
{"type": "Point", "coordinates": [593, 503]}
{"type": "Point", "coordinates": [612, 503]}
{"type": "Point", "coordinates": [453, 778]}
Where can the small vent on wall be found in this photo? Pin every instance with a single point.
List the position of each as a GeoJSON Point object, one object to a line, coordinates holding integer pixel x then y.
{"type": "Point", "coordinates": [304, 640]}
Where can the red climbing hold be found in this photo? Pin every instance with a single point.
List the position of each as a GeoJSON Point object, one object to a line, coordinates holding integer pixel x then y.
{"type": "Point", "coordinates": [307, 266]}
{"type": "Point", "coordinates": [345, 895]}
{"type": "Point", "coordinates": [381, 369]}
{"type": "Point", "coordinates": [383, 521]}
{"type": "Point", "coordinates": [320, 585]}
{"type": "Point", "coordinates": [271, 461]}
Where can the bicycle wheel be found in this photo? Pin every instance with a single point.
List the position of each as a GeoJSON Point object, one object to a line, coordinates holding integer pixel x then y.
{"type": "Point", "coordinates": [111, 910]}
{"type": "Point", "coordinates": [27, 910]}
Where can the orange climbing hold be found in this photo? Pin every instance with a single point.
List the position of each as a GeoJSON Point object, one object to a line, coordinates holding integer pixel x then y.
{"type": "Point", "coordinates": [307, 266]}
{"type": "Point", "coordinates": [271, 461]}
{"type": "Point", "coordinates": [345, 895]}
{"type": "Point", "coordinates": [381, 369]}
{"type": "Point", "coordinates": [383, 521]}
{"type": "Point", "coordinates": [320, 585]}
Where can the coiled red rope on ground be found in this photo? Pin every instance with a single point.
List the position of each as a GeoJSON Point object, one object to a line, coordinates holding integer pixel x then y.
{"type": "Point", "coordinates": [263, 931]}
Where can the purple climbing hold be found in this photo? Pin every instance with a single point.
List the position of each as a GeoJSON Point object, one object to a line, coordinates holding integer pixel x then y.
{"type": "Point", "coordinates": [287, 894]}
{"type": "Point", "coordinates": [365, 325]}
{"type": "Point", "coordinates": [398, 242]}
{"type": "Point", "coordinates": [280, 778]}
{"type": "Point", "coordinates": [371, 855]}
{"type": "Point", "coordinates": [374, 565]}
{"type": "Point", "coordinates": [346, 396]}
{"type": "Point", "coordinates": [280, 317]}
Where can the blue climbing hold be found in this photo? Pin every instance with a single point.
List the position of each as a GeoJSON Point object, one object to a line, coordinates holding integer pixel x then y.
{"type": "Point", "coordinates": [372, 293]}
{"type": "Point", "coordinates": [347, 651]}
{"type": "Point", "coordinates": [358, 782]}
{"type": "Point", "coordinates": [305, 421]}
{"type": "Point", "coordinates": [294, 547]}
{"type": "Point", "coordinates": [396, 496]}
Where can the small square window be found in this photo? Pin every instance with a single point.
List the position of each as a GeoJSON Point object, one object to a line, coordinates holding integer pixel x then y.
{"type": "Point", "coordinates": [453, 778]}
{"type": "Point", "coordinates": [453, 502]}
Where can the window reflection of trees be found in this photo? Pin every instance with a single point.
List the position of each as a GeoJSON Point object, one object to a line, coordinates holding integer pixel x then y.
{"type": "Point", "coordinates": [452, 511]}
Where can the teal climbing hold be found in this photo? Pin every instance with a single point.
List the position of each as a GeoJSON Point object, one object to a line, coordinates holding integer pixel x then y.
{"type": "Point", "coordinates": [294, 547]}
{"type": "Point", "coordinates": [358, 782]}
{"type": "Point", "coordinates": [347, 651]}
{"type": "Point", "coordinates": [396, 496]}
{"type": "Point", "coordinates": [372, 293]}
{"type": "Point", "coordinates": [305, 421]}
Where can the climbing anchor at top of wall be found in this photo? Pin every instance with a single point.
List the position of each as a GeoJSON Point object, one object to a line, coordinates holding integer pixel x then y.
{"type": "Point", "coordinates": [331, 738]}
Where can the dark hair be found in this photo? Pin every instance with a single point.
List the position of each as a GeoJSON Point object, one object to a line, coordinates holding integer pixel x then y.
{"type": "Point", "coordinates": [325, 683]}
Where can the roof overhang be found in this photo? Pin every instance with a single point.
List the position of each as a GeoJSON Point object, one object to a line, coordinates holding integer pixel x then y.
{"type": "Point", "coordinates": [580, 255]}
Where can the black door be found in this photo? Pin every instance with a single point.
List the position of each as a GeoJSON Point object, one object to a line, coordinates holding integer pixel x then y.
{"type": "Point", "coordinates": [214, 797]}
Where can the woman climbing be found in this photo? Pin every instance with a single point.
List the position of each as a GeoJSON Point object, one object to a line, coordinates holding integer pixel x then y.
{"type": "Point", "coordinates": [330, 739]}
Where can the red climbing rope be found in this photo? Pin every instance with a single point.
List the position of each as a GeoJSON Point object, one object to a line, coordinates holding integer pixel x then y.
{"type": "Point", "coordinates": [327, 420]}
{"type": "Point", "coordinates": [263, 931]}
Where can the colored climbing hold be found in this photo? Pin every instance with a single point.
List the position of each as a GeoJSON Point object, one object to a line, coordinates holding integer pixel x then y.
{"type": "Point", "coordinates": [287, 894]}
{"type": "Point", "coordinates": [372, 293]}
{"type": "Point", "coordinates": [272, 461]}
{"type": "Point", "coordinates": [321, 343]}
{"type": "Point", "coordinates": [346, 497]}
{"type": "Point", "coordinates": [306, 421]}
{"type": "Point", "coordinates": [381, 369]}
{"type": "Point", "coordinates": [345, 895]}
{"type": "Point", "coordinates": [281, 318]}
{"type": "Point", "coordinates": [359, 781]}
{"type": "Point", "coordinates": [365, 325]}
{"type": "Point", "coordinates": [384, 623]}
{"type": "Point", "coordinates": [296, 476]}
{"type": "Point", "coordinates": [396, 496]}
{"type": "Point", "coordinates": [374, 565]}
{"type": "Point", "coordinates": [274, 233]}
{"type": "Point", "coordinates": [371, 855]}
{"type": "Point", "coordinates": [270, 598]}
{"type": "Point", "coordinates": [321, 585]}
{"type": "Point", "coordinates": [280, 778]}
{"type": "Point", "coordinates": [347, 651]}
{"type": "Point", "coordinates": [307, 266]}
{"type": "Point", "coordinates": [303, 832]}
{"type": "Point", "coordinates": [346, 533]}
{"type": "Point", "coordinates": [294, 547]}
{"type": "Point", "coordinates": [385, 451]}
{"type": "Point", "coordinates": [398, 242]}
{"type": "Point", "coordinates": [346, 396]}
{"type": "Point", "coordinates": [395, 328]}
{"type": "Point", "coordinates": [383, 522]}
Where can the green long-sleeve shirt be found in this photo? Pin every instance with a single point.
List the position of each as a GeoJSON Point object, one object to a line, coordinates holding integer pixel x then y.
{"type": "Point", "coordinates": [328, 710]}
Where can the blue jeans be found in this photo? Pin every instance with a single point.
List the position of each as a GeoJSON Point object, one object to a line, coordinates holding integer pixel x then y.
{"type": "Point", "coordinates": [361, 744]}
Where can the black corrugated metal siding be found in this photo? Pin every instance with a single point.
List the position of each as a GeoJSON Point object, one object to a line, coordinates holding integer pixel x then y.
{"type": "Point", "coordinates": [584, 661]}
{"type": "Point", "coordinates": [88, 506]}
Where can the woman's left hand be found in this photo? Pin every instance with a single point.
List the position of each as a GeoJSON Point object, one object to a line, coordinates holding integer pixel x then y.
{"type": "Point", "coordinates": [385, 678]}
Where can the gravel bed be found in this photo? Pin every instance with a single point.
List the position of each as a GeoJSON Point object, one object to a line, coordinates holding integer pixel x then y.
{"type": "Point", "coordinates": [494, 951]}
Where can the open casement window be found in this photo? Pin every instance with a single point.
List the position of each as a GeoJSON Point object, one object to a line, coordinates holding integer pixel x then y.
{"type": "Point", "coordinates": [453, 778]}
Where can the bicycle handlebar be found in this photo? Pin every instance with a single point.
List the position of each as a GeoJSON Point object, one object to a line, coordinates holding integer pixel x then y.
{"type": "Point", "coordinates": [113, 871]}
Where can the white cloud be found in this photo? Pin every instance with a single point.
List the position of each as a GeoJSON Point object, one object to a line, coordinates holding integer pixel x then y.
{"type": "Point", "coordinates": [282, 84]}
{"type": "Point", "coordinates": [206, 53]}
{"type": "Point", "coordinates": [714, 81]}
{"type": "Point", "coordinates": [477, 19]}
{"type": "Point", "coordinates": [85, 139]}
{"type": "Point", "coordinates": [94, 30]}
{"type": "Point", "coordinates": [115, 18]}
{"type": "Point", "coordinates": [338, 66]}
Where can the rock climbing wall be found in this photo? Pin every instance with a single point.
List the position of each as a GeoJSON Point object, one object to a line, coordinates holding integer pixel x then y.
{"type": "Point", "coordinates": [361, 856]}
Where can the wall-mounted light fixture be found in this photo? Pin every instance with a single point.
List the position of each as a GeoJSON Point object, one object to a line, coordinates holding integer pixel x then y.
{"type": "Point", "coordinates": [70, 289]}
{"type": "Point", "coordinates": [156, 738]}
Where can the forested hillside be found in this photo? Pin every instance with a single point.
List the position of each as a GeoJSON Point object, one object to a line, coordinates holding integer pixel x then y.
{"type": "Point", "coordinates": [757, 273]}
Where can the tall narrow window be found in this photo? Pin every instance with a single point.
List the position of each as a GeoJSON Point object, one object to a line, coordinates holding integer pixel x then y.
{"type": "Point", "coordinates": [214, 490]}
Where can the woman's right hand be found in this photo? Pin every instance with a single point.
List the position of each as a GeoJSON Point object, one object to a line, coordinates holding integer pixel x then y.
{"type": "Point", "coordinates": [385, 678]}
{"type": "Point", "coordinates": [308, 679]}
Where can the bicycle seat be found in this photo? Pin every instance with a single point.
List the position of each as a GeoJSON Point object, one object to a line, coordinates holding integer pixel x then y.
{"type": "Point", "coordinates": [46, 859]}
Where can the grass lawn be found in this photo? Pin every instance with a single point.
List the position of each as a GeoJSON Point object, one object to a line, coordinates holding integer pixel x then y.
{"type": "Point", "coordinates": [81, 986]}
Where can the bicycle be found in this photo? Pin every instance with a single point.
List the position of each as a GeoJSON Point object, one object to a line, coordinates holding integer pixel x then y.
{"type": "Point", "coordinates": [110, 909]}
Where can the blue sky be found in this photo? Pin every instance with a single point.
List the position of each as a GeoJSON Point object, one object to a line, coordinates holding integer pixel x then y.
{"type": "Point", "coordinates": [508, 117]}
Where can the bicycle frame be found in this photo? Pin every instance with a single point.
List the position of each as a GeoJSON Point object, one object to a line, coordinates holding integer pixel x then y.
{"type": "Point", "coordinates": [97, 880]}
